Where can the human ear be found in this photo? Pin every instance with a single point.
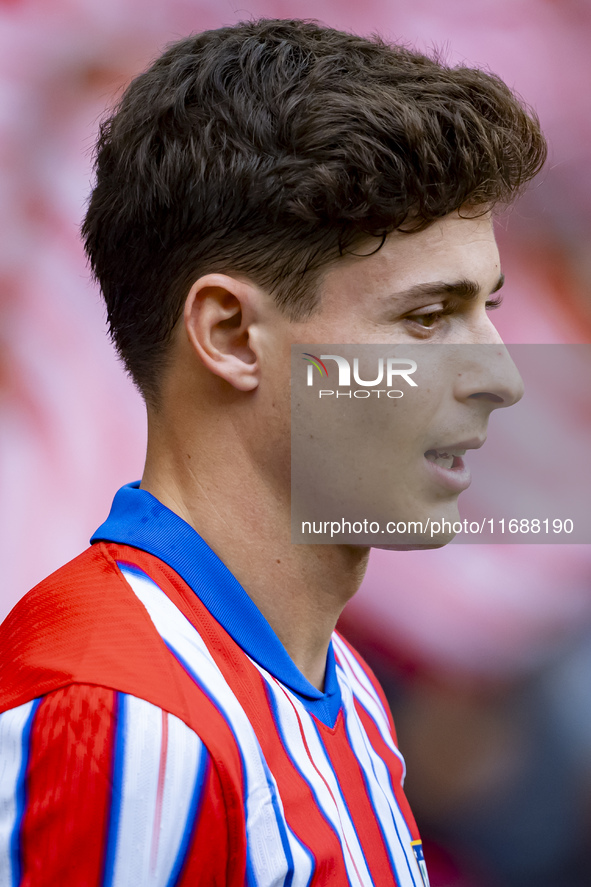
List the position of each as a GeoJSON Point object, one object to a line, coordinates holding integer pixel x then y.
{"type": "Point", "coordinates": [219, 318]}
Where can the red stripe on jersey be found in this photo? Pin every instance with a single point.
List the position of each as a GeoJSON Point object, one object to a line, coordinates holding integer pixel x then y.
{"type": "Point", "coordinates": [350, 777]}
{"type": "Point", "coordinates": [68, 784]}
{"type": "Point", "coordinates": [216, 838]}
{"type": "Point", "coordinates": [394, 766]}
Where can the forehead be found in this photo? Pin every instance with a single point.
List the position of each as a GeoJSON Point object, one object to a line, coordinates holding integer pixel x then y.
{"type": "Point", "coordinates": [449, 250]}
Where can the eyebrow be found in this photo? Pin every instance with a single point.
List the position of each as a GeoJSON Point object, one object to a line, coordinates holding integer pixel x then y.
{"type": "Point", "coordinates": [466, 290]}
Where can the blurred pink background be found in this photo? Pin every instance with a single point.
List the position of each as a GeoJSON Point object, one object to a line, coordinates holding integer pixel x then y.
{"type": "Point", "coordinates": [462, 634]}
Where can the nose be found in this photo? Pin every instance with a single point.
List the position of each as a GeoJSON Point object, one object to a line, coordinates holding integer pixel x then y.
{"type": "Point", "coordinates": [488, 375]}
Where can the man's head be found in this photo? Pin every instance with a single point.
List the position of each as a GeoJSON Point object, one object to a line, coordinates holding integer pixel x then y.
{"type": "Point", "coordinates": [267, 151]}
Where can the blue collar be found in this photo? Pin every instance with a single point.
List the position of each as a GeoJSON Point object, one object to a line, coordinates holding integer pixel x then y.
{"type": "Point", "coordinates": [138, 519]}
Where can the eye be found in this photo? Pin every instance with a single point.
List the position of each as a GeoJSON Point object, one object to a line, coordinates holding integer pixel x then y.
{"type": "Point", "coordinates": [426, 320]}
{"type": "Point", "coordinates": [429, 316]}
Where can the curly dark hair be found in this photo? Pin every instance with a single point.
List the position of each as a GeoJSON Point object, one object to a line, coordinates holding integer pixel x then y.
{"type": "Point", "coordinates": [269, 148]}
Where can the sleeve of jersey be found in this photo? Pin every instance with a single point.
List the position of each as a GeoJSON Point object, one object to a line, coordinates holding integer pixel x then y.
{"type": "Point", "coordinates": [102, 789]}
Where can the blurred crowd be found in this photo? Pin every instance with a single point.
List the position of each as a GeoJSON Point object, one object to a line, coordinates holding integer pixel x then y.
{"type": "Point", "coordinates": [485, 651]}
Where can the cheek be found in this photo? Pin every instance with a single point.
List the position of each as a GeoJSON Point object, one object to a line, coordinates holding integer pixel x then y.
{"type": "Point", "coordinates": [267, 428]}
{"type": "Point", "coordinates": [366, 454]}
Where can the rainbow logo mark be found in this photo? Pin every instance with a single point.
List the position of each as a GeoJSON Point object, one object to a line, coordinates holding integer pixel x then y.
{"type": "Point", "coordinates": [315, 361]}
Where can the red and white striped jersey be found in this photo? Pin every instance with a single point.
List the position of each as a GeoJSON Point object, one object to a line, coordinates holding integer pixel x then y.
{"type": "Point", "coordinates": [154, 731]}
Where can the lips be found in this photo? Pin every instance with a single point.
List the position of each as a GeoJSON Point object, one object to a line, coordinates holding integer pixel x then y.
{"type": "Point", "coordinates": [446, 466]}
{"type": "Point", "coordinates": [449, 458]}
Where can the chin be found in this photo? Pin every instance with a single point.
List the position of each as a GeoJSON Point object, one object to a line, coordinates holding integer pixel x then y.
{"type": "Point", "coordinates": [429, 544]}
{"type": "Point", "coordinates": [437, 534]}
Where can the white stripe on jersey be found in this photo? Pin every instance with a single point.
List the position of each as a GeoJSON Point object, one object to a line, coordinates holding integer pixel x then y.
{"type": "Point", "coordinates": [315, 769]}
{"type": "Point", "coordinates": [273, 849]}
{"type": "Point", "coordinates": [159, 765]}
{"type": "Point", "coordinates": [394, 828]}
{"type": "Point", "coordinates": [15, 727]}
{"type": "Point", "coordinates": [363, 689]}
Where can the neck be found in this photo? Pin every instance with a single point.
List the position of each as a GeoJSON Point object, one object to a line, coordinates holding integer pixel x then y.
{"type": "Point", "coordinates": [300, 589]}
